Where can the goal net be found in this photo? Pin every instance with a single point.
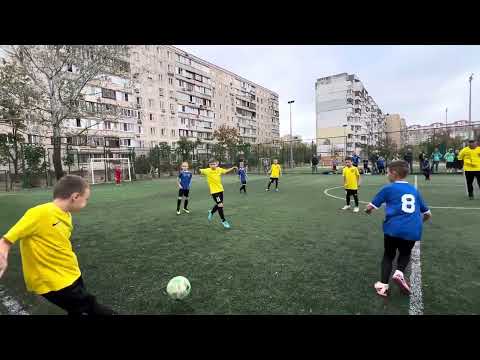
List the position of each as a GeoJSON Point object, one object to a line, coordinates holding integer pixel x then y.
{"type": "Point", "coordinates": [103, 169]}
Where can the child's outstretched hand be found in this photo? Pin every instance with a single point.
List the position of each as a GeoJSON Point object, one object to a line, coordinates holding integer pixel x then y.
{"type": "Point", "coordinates": [368, 210]}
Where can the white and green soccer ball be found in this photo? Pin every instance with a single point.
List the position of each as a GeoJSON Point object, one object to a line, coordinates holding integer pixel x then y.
{"type": "Point", "coordinates": [178, 288]}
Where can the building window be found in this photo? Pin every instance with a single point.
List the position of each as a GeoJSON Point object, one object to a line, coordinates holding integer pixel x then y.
{"type": "Point", "coordinates": [160, 92]}
{"type": "Point", "coordinates": [151, 117]}
{"type": "Point", "coordinates": [162, 105]}
{"type": "Point", "coordinates": [152, 131]}
{"type": "Point", "coordinates": [170, 81]}
{"type": "Point", "coordinates": [126, 97]}
{"type": "Point", "coordinates": [172, 107]}
{"type": "Point", "coordinates": [107, 125]}
{"type": "Point", "coordinates": [78, 122]}
{"type": "Point", "coordinates": [163, 132]}
{"type": "Point", "coordinates": [173, 132]}
{"type": "Point", "coordinates": [138, 101]}
{"type": "Point", "coordinates": [150, 103]}
{"type": "Point", "coordinates": [108, 94]}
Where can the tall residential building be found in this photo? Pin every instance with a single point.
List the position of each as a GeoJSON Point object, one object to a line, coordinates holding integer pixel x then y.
{"type": "Point", "coordinates": [347, 118]}
{"type": "Point", "coordinates": [181, 95]}
{"type": "Point", "coordinates": [395, 127]}
{"type": "Point", "coordinates": [167, 94]}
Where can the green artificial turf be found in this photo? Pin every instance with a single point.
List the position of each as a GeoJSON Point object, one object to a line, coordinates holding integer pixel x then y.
{"type": "Point", "coordinates": [291, 252]}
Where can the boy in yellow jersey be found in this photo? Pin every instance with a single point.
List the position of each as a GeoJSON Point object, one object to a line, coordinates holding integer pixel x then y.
{"type": "Point", "coordinates": [214, 180]}
{"type": "Point", "coordinates": [470, 156]}
{"type": "Point", "coordinates": [275, 172]}
{"type": "Point", "coordinates": [50, 267]}
{"type": "Point", "coordinates": [351, 182]}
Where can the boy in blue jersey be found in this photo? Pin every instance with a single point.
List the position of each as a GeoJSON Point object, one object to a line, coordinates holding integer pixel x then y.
{"type": "Point", "coordinates": [405, 212]}
{"type": "Point", "coordinates": [184, 181]}
{"type": "Point", "coordinates": [242, 174]}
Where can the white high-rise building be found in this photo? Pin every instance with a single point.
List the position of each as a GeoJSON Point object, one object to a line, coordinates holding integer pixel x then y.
{"type": "Point", "coordinates": [346, 116]}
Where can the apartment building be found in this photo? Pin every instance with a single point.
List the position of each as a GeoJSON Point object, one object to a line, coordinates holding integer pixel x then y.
{"type": "Point", "coordinates": [347, 117]}
{"type": "Point", "coordinates": [395, 127]}
{"type": "Point", "coordinates": [167, 94]}
{"type": "Point", "coordinates": [180, 95]}
{"type": "Point", "coordinates": [417, 134]}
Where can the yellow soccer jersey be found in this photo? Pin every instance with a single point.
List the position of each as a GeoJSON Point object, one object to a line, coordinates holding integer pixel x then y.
{"type": "Point", "coordinates": [214, 179]}
{"type": "Point", "coordinates": [471, 158]}
{"type": "Point", "coordinates": [48, 261]}
{"type": "Point", "coordinates": [275, 171]}
{"type": "Point", "coordinates": [350, 174]}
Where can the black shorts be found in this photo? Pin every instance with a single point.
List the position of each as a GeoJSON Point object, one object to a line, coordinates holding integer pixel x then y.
{"type": "Point", "coordinates": [273, 179]}
{"type": "Point", "coordinates": [351, 192]}
{"type": "Point", "coordinates": [243, 182]}
{"type": "Point", "coordinates": [218, 197]}
{"type": "Point", "coordinates": [76, 300]}
{"type": "Point", "coordinates": [183, 192]}
{"type": "Point", "coordinates": [450, 165]}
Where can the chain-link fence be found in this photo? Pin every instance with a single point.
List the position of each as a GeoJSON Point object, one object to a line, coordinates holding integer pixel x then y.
{"type": "Point", "coordinates": [31, 165]}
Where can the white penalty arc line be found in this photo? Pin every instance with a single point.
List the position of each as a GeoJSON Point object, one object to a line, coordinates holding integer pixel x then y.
{"type": "Point", "coordinates": [416, 296]}
{"type": "Point", "coordinates": [13, 306]}
{"type": "Point", "coordinates": [327, 193]}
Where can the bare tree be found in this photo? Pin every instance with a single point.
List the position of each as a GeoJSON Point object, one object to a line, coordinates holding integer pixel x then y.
{"type": "Point", "coordinates": [60, 73]}
{"type": "Point", "coordinates": [16, 99]}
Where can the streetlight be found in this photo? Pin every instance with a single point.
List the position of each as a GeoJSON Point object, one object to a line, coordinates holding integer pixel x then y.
{"type": "Point", "coordinates": [446, 118]}
{"type": "Point", "coordinates": [345, 137]}
{"type": "Point", "coordinates": [470, 107]}
{"type": "Point", "coordinates": [291, 137]}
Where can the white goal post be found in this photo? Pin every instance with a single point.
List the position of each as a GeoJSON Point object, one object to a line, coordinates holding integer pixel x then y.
{"type": "Point", "coordinates": [105, 164]}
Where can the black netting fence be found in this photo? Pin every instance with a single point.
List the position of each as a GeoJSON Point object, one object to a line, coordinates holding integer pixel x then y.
{"type": "Point", "coordinates": [31, 165]}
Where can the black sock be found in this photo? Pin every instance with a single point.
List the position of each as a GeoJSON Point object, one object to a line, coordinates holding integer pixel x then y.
{"type": "Point", "coordinates": [348, 199]}
{"type": "Point", "coordinates": [215, 208]}
{"type": "Point", "coordinates": [355, 197]}
{"type": "Point", "coordinates": [179, 201]}
{"type": "Point", "coordinates": [185, 204]}
{"type": "Point", "coordinates": [220, 212]}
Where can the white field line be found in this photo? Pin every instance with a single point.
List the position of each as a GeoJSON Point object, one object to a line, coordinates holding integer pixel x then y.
{"type": "Point", "coordinates": [327, 193]}
{"type": "Point", "coordinates": [13, 306]}
{"type": "Point", "coordinates": [416, 297]}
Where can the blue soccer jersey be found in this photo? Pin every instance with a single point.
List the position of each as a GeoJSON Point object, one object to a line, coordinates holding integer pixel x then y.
{"type": "Point", "coordinates": [185, 179]}
{"type": "Point", "coordinates": [404, 209]}
{"type": "Point", "coordinates": [242, 173]}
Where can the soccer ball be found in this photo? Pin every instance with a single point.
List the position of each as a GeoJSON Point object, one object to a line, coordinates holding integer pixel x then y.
{"type": "Point", "coordinates": [178, 288]}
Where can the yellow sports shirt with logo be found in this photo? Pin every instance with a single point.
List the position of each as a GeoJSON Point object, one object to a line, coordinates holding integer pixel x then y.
{"type": "Point", "coordinates": [471, 158]}
{"type": "Point", "coordinates": [350, 174]}
{"type": "Point", "coordinates": [275, 171]}
{"type": "Point", "coordinates": [214, 179]}
{"type": "Point", "coordinates": [48, 261]}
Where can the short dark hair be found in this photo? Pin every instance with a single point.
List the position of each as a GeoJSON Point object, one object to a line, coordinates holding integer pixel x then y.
{"type": "Point", "coordinates": [401, 167]}
{"type": "Point", "coordinates": [348, 158]}
{"type": "Point", "coordinates": [68, 185]}
{"type": "Point", "coordinates": [211, 161]}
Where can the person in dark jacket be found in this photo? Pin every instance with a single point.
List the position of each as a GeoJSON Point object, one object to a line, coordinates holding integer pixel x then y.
{"type": "Point", "coordinates": [408, 157]}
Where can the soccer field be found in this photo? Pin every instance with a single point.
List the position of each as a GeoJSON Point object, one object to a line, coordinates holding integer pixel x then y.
{"type": "Point", "coordinates": [291, 252]}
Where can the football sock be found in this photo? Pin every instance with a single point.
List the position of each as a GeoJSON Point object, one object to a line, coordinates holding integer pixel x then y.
{"type": "Point", "coordinates": [220, 212]}
{"type": "Point", "coordinates": [215, 208]}
{"type": "Point", "coordinates": [179, 201]}
{"type": "Point", "coordinates": [185, 204]}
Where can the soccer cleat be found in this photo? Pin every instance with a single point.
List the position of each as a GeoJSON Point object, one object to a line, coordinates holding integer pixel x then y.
{"type": "Point", "coordinates": [470, 197]}
{"type": "Point", "coordinates": [225, 224]}
{"type": "Point", "coordinates": [346, 207]}
{"type": "Point", "coordinates": [381, 289]}
{"type": "Point", "coordinates": [267, 189]}
{"type": "Point", "coordinates": [276, 190]}
{"type": "Point", "coordinates": [178, 212]}
{"type": "Point", "coordinates": [356, 209]}
{"type": "Point", "coordinates": [400, 281]}
{"type": "Point", "coordinates": [210, 215]}
{"type": "Point", "coordinates": [187, 211]}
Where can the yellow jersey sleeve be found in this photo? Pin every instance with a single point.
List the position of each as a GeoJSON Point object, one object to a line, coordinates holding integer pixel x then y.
{"type": "Point", "coordinates": [25, 227]}
{"type": "Point", "coordinates": [357, 172]}
{"type": "Point", "coordinates": [461, 155]}
{"type": "Point", "coordinates": [223, 171]}
{"type": "Point", "coordinates": [344, 171]}
{"type": "Point", "coordinates": [203, 171]}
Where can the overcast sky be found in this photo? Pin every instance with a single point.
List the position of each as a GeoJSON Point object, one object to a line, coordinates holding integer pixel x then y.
{"type": "Point", "coordinates": [418, 82]}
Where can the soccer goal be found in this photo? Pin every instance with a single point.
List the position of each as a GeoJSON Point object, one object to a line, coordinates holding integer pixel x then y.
{"type": "Point", "coordinates": [104, 169]}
